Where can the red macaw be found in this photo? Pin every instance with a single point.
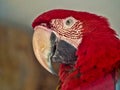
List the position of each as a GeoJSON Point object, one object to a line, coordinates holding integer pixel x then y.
{"type": "Point", "coordinates": [84, 44]}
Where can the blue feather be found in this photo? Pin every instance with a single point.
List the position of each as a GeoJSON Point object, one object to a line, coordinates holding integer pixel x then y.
{"type": "Point", "coordinates": [118, 85]}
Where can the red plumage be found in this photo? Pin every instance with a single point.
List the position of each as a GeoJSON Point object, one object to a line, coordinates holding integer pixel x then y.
{"type": "Point", "coordinates": [98, 53]}
{"type": "Point", "coordinates": [98, 57]}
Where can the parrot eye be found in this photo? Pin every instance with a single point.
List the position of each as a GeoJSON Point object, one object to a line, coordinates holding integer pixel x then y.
{"type": "Point", "coordinates": [69, 22]}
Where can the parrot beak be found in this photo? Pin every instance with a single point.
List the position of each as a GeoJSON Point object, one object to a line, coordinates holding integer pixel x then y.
{"type": "Point", "coordinates": [42, 47]}
{"type": "Point", "coordinates": [49, 48]}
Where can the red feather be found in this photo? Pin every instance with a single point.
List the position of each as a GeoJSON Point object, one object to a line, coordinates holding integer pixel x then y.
{"type": "Point", "coordinates": [98, 57]}
{"type": "Point", "coordinates": [98, 53]}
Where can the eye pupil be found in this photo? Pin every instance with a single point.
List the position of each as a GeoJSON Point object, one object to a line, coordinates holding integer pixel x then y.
{"type": "Point", "coordinates": [69, 22]}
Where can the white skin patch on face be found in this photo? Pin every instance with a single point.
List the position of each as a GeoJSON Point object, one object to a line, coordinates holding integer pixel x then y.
{"type": "Point", "coordinates": [69, 30]}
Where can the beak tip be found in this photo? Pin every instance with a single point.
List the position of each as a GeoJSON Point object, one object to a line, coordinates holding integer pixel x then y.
{"type": "Point", "coordinates": [51, 70]}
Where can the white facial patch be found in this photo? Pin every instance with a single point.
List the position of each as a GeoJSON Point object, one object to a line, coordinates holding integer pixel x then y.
{"type": "Point", "coordinates": [69, 30]}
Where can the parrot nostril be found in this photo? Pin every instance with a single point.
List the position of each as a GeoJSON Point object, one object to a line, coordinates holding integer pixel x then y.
{"type": "Point", "coordinates": [47, 25]}
{"type": "Point", "coordinates": [44, 24]}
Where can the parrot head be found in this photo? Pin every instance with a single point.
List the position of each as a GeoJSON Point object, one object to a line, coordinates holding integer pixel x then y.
{"type": "Point", "coordinates": [81, 42]}
{"type": "Point", "coordinates": [58, 33]}
{"type": "Point", "coordinates": [56, 37]}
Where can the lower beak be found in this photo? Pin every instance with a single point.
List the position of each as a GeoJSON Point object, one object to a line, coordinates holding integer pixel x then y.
{"type": "Point", "coordinates": [42, 47]}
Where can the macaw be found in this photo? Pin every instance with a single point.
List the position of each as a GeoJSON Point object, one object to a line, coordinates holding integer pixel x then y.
{"type": "Point", "coordinates": [85, 46]}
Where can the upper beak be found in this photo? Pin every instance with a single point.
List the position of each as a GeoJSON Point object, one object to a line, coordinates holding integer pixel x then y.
{"type": "Point", "coordinates": [42, 47]}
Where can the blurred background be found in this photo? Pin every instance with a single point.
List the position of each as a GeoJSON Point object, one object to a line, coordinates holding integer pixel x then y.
{"type": "Point", "coordinates": [19, 69]}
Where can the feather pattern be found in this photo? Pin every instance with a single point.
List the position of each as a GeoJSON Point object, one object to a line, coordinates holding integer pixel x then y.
{"type": "Point", "coordinates": [98, 54]}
